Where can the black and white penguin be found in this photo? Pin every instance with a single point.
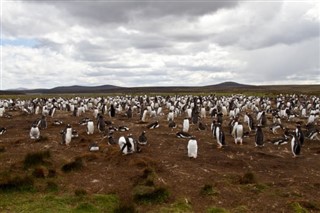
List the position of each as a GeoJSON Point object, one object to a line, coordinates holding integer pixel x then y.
{"type": "Point", "coordinates": [220, 117]}
{"type": "Point", "coordinates": [259, 138]}
{"type": "Point", "coordinates": [34, 132]}
{"type": "Point", "coordinates": [129, 113]}
{"type": "Point", "coordinates": [90, 127]}
{"type": "Point", "coordinates": [126, 145]}
{"type": "Point", "coordinates": [192, 147]}
{"type": "Point", "coordinates": [67, 135]}
{"type": "Point", "coordinates": [153, 125]}
{"type": "Point", "coordinates": [186, 125]}
{"type": "Point", "coordinates": [295, 146]}
{"type": "Point", "coordinates": [299, 134]}
{"type": "Point", "coordinates": [312, 134]}
{"type": "Point", "coordinates": [238, 133]}
{"type": "Point", "coordinates": [43, 122]}
{"type": "Point", "coordinates": [111, 140]}
{"type": "Point", "coordinates": [142, 138]}
{"type": "Point", "coordinates": [183, 135]}
{"type": "Point", "coordinates": [220, 136]}
{"type": "Point", "coordinates": [280, 141]}
{"type": "Point", "coordinates": [57, 122]}
{"type": "Point", "coordinates": [275, 126]}
{"type": "Point", "coordinates": [101, 124]}
{"type": "Point", "coordinates": [94, 147]}
{"type": "Point", "coordinates": [2, 130]}
{"type": "Point", "coordinates": [112, 111]}
{"type": "Point", "coordinates": [123, 128]}
{"type": "Point", "coordinates": [84, 121]}
{"type": "Point", "coordinates": [74, 134]}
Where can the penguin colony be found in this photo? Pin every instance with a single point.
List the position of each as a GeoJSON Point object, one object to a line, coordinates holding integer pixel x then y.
{"type": "Point", "coordinates": [289, 118]}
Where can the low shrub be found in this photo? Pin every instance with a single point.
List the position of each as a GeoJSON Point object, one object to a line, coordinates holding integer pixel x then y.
{"type": "Point", "coordinates": [17, 184]}
{"type": "Point", "coordinates": [34, 159]}
{"type": "Point", "coordinates": [77, 164]}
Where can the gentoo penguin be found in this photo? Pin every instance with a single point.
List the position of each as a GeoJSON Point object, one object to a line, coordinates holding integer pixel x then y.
{"type": "Point", "coordinates": [259, 136]}
{"type": "Point", "coordinates": [312, 134]}
{"type": "Point", "coordinates": [274, 127]}
{"type": "Point", "coordinates": [74, 134]}
{"type": "Point", "coordinates": [101, 124]}
{"type": "Point", "coordinates": [280, 141]}
{"type": "Point", "coordinates": [192, 147]}
{"type": "Point", "coordinates": [144, 115]}
{"type": "Point", "coordinates": [213, 127]}
{"type": "Point", "coordinates": [94, 147]}
{"type": "Point", "coordinates": [111, 140]}
{"type": "Point", "coordinates": [123, 128]}
{"type": "Point", "coordinates": [220, 117]}
{"type": "Point", "coordinates": [299, 134]}
{"type": "Point", "coordinates": [84, 121]}
{"type": "Point", "coordinates": [142, 138]}
{"type": "Point", "coordinates": [129, 113]}
{"type": "Point", "coordinates": [248, 118]}
{"type": "Point", "coordinates": [34, 132]}
{"type": "Point", "coordinates": [2, 110]}
{"type": "Point", "coordinates": [220, 136]}
{"type": "Point", "coordinates": [90, 127]}
{"type": "Point", "coordinates": [112, 111]}
{"type": "Point", "coordinates": [67, 135]}
{"type": "Point", "coordinates": [126, 145]}
{"type": "Point", "coordinates": [2, 130]}
{"type": "Point", "coordinates": [43, 123]}
{"type": "Point", "coordinates": [183, 135]}
{"type": "Point", "coordinates": [295, 146]}
{"type": "Point", "coordinates": [238, 133]}
{"type": "Point", "coordinates": [170, 116]}
{"type": "Point", "coordinates": [185, 125]}
{"type": "Point", "coordinates": [57, 122]}
{"type": "Point", "coordinates": [153, 125]}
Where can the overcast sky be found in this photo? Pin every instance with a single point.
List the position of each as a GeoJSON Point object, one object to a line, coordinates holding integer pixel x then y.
{"type": "Point", "coordinates": [158, 43]}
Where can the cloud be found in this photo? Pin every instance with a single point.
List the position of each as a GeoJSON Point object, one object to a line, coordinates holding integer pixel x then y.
{"type": "Point", "coordinates": [160, 43]}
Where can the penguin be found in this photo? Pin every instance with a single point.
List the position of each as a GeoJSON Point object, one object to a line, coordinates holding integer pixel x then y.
{"type": "Point", "coordinates": [192, 147]}
{"type": "Point", "coordinates": [112, 111]}
{"type": "Point", "coordinates": [183, 135]}
{"type": "Point", "coordinates": [213, 127]}
{"type": "Point", "coordinates": [295, 146]}
{"type": "Point", "coordinates": [248, 118]}
{"type": "Point", "coordinates": [144, 115]}
{"type": "Point", "coordinates": [84, 121]}
{"type": "Point", "coordinates": [126, 145]}
{"type": "Point", "coordinates": [220, 136]}
{"type": "Point", "coordinates": [52, 111]}
{"type": "Point", "coordinates": [311, 134]}
{"type": "Point", "coordinates": [90, 127]}
{"type": "Point", "coordinates": [170, 116]}
{"type": "Point", "coordinates": [185, 125]}
{"type": "Point", "coordinates": [34, 132]}
{"type": "Point", "coordinates": [57, 122]}
{"type": "Point", "coordinates": [2, 130]}
{"type": "Point", "coordinates": [67, 135]}
{"type": "Point", "coordinates": [299, 134]}
{"type": "Point", "coordinates": [43, 123]}
{"type": "Point", "coordinates": [274, 127]}
{"type": "Point", "coordinates": [259, 139]}
{"type": "Point", "coordinates": [220, 117]}
{"type": "Point", "coordinates": [238, 133]}
{"type": "Point", "coordinates": [129, 113]}
{"type": "Point", "coordinates": [153, 125]}
{"type": "Point", "coordinates": [74, 134]}
{"type": "Point", "coordinates": [111, 140]}
{"type": "Point", "coordinates": [123, 128]}
{"type": "Point", "coordinates": [280, 141]}
{"type": "Point", "coordinates": [142, 140]}
{"type": "Point", "coordinates": [94, 147]}
{"type": "Point", "coordinates": [101, 124]}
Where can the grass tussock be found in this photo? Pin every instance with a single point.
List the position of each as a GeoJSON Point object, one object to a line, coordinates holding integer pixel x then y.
{"type": "Point", "coordinates": [125, 208]}
{"type": "Point", "coordinates": [80, 192]}
{"type": "Point", "coordinates": [297, 208]}
{"type": "Point", "coordinates": [52, 186]}
{"type": "Point", "coordinates": [17, 184]}
{"type": "Point", "coordinates": [40, 172]}
{"type": "Point", "coordinates": [75, 165]}
{"type": "Point", "coordinates": [217, 210]}
{"type": "Point", "coordinates": [248, 178]}
{"type": "Point", "coordinates": [149, 194]}
{"type": "Point", "coordinates": [35, 159]}
{"type": "Point", "coordinates": [208, 190]}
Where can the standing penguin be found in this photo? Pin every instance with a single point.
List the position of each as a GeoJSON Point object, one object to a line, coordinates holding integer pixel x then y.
{"type": "Point", "coordinates": [43, 122]}
{"type": "Point", "coordinates": [295, 146]}
{"type": "Point", "coordinates": [101, 124]}
{"type": "Point", "coordinates": [67, 135]}
{"type": "Point", "coordinates": [34, 132]}
{"type": "Point", "coordinates": [299, 134]}
{"type": "Point", "coordinates": [129, 113]}
{"type": "Point", "coordinates": [126, 144]}
{"type": "Point", "coordinates": [90, 127]}
{"type": "Point", "coordinates": [144, 115]}
{"type": "Point", "coordinates": [259, 136]}
{"type": "Point", "coordinates": [112, 111]}
{"type": "Point", "coordinates": [192, 148]}
{"type": "Point", "coordinates": [220, 136]}
{"type": "Point", "coordinates": [238, 133]}
{"type": "Point", "coordinates": [185, 125]}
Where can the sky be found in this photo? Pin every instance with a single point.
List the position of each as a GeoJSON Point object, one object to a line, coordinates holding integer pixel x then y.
{"type": "Point", "coordinates": [45, 44]}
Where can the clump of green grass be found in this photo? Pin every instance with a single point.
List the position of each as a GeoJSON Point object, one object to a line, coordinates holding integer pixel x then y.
{"type": "Point", "coordinates": [34, 159]}
{"type": "Point", "coordinates": [86, 207]}
{"type": "Point", "coordinates": [176, 207]}
{"type": "Point", "coordinates": [217, 210]}
{"type": "Point", "coordinates": [125, 208]}
{"type": "Point", "coordinates": [248, 178]}
{"type": "Point", "coordinates": [297, 208]}
{"type": "Point", "coordinates": [207, 189]}
{"type": "Point", "coordinates": [149, 194]}
{"type": "Point", "coordinates": [77, 164]}
{"type": "Point", "coordinates": [80, 192]}
{"type": "Point", "coordinates": [17, 184]}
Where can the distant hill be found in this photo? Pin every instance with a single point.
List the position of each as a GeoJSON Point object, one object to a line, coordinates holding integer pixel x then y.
{"type": "Point", "coordinates": [230, 84]}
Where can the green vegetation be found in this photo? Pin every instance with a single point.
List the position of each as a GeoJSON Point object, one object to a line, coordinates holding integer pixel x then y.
{"type": "Point", "coordinates": [17, 183]}
{"type": "Point", "coordinates": [34, 159]}
{"type": "Point", "coordinates": [31, 202]}
{"type": "Point", "coordinates": [177, 207]}
{"type": "Point", "coordinates": [207, 189]}
{"type": "Point", "coordinates": [297, 208]}
{"type": "Point", "coordinates": [217, 210]}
